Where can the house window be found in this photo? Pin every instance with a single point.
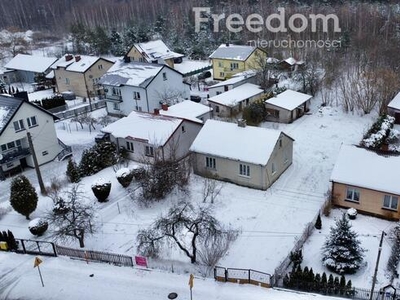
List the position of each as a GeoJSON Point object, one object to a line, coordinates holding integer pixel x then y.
{"type": "Point", "coordinates": [44, 153]}
{"type": "Point", "coordinates": [3, 147]}
{"type": "Point", "coordinates": [390, 202]}
{"type": "Point", "coordinates": [164, 76]}
{"type": "Point", "coordinates": [116, 106]}
{"type": "Point", "coordinates": [352, 194]}
{"type": "Point", "coordinates": [183, 129]}
{"type": "Point", "coordinates": [244, 170]}
{"type": "Point", "coordinates": [210, 163]}
{"type": "Point", "coordinates": [234, 66]}
{"type": "Point", "coordinates": [67, 81]}
{"type": "Point", "coordinates": [32, 121]}
{"type": "Point", "coordinates": [141, 59]}
{"type": "Point", "coordinates": [19, 125]}
{"type": "Point", "coordinates": [149, 151]}
{"type": "Point", "coordinates": [219, 93]}
{"type": "Point", "coordinates": [129, 146]}
{"type": "Point", "coordinates": [100, 67]}
{"type": "Point", "coordinates": [280, 143]}
{"type": "Point", "coordinates": [217, 109]}
{"type": "Point", "coordinates": [116, 91]}
{"type": "Point", "coordinates": [222, 74]}
{"type": "Point", "coordinates": [10, 145]}
{"type": "Point", "coordinates": [275, 114]}
{"type": "Point", "coordinates": [220, 64]}
{"type": "Point", "coordinates": [136, 95]}
{"type": "Point", "coordinates": [138, 108]}
{"type": "Point", "coordinates": [273, 169]}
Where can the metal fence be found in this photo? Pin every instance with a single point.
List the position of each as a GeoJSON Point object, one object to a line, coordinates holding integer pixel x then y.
{"type": "Point", "coordinates": [36, 247]}
{"type": "Point", "coordinates": [242, 276]}
{"type": "Point", "coordinates": [116, 259]}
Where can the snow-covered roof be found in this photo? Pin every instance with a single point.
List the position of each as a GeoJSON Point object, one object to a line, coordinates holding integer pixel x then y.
{"type": "Point", "coordinates": [234, 96]}
{"type": "Point", "coordinates": [395, 103]}
{"type": "Point", "coordinates": [359, 167]}
{"type": "Point", "coordinates": [8, 106]}
{"type": "Point", "coordinates": [188, 110]}
{"type": "Point", "coordinates": [133, 74]}
{"type": "Point", "coordinates": [188, 65]}
{"type": "Point", "coordinates": [82, 65]}
{"type": "Point", "coordinates": [156, 49]}
{"type": "Point", "coordinates": [248, 144]}
{"type": "Point", "coordinates": [292, 61]}
{"type": "Point", "coordinates": [235, 79]}
{"type": "Point", "coordinates": [234, 52]}
{"type": "Point", "coordinates": [30, 63]}
{"type": "Point", "coordinates": [289, 99]}
{"type": "Point", "coordinates": [154, 129]}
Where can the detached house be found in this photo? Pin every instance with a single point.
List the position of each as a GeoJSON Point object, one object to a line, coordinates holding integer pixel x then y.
{"type": "Point", "coordinates": [246, 155]}
{"type": "Point", "coordinates": [153, 52]}
{"type": "Point", "coordinates": [151, 136]}
{"type": "Point", "coordinates": [188, 110]}
{"type": "Point", "coordinates": [234, 82]}
{"type": "Point", "coordinates": [80, 74]}
{"type": "Point", "coordinates": [17, 118]}
{"type": "Point", "coordinates": [366, 181]}
{"type": "Point", "coordinates": [394, 108]}
{"type": "Point", "coordinates": [287, 106]}
{"type": "Point", "coordinates": [142, 87]}
{"type": "Point", "coordinates": [230, 59]}
{"type": "Point", "coordinates": [26, 68]}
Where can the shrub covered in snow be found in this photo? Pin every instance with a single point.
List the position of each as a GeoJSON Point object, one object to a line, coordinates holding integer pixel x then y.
{"type": "Point", "coordinates": [38, 226]}
{"type": "Point", "coordinates": [23, 197]}
{"type": "Point", "coordinates": [352, 213]}
{"type": "Point", "coordinates": [97, 158]}
{"type": "Point", "coordinates": [124, 176]}
{"type": "Point", "coordinates": [380, 133]}
{"type": "Point", "coordinates": [101, 189]}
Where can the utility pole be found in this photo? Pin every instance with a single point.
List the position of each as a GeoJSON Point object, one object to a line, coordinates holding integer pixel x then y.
{"type": "Point", "coordinates": [35, 163]}
{"type": "Point", "coordinates": [377, 264]}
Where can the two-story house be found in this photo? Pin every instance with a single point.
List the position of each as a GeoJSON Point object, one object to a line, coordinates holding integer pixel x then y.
{"type": "Point", "coordinates": [153, 52]}
{"type": "Point", "coordinates": [230, 59]}
{"type": "Point", "coordinates": [142, 87]}
{"type": "Point", "coordinates": [80, 74]}
{"type": "Point", "coordinates": [17, 119]}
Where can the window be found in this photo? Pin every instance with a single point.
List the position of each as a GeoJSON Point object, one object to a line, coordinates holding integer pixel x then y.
{"type": "Point", "coordinates": [100, 67]}
{"type": "Point", "coordinates": [149, 151]}
{"type": "Point", "coordinates": [116, 106]}
{"type": "Point", "coordinates": [164, 76]}
{"type": "Point", "coordinates": [10, 145]}
{"type": "Point", "coordinates": [19, 125]}
{"type": "Point", "coordinates": [3, 147]}
{"type": "Point", "coordinates": [352, 194]}
{"type": "Point", "coordinates": [129, 146]}
{"type": "Point", "coordinates": [219, 93]}
{"type": "Point", "coordinates": [141, 59]}
{"type": "Point", "coordinates": [138, 108]}
{"type": "Point", "coordinates": [275, 114]}
{"type": "Point", "coordinates": [67, 81]}
{"type": "Point", "coordinates": [273, 169]}
{"type": "Point", "coordinates": [183, 129]}
{"type": "Point", "coordinates": [234, 66]}
{"type": "Point", "coordinates": [136, 95]}
{"type": "Point", "coordinates": [217, 109]}
{"type": "Point", "coordinates": [116, 91]}
{"type": "Point", "coordinates": [210, 163]}
{"type": "Point", "coordinates": [390, 202]}
{"type": "Point", "coordinates": [44, 153]}
{"type": "Point", "coordinates": [32, 121]}
{"type": "Point", "coordinates": [280, 143]}
{"type": "Point", "coordinates": [244, 170]}
{"type": "Point", "coordinates": [222, 74]}
{"type": "Point", "coordinates": [220, 64]}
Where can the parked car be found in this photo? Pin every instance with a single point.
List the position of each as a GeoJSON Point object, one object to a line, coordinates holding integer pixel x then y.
{"type": "Point", "coordinates": [196, 99]}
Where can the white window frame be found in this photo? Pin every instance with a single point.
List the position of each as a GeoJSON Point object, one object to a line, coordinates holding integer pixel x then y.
{"type": "Point", "coordinates": [391, 200]}
{"type": "Point", "coordinates": [244, 170]}
{"type": "Point", "coordinates": [32, 122]}
{"type": "Point", "coordinates": [220, 64]}
{"type": "Point", "coordinates": [211, 163]}
{"type": "Point", "coordinates": [100, 67]}
{"type": "Point", "coordinates": [19, 125]}
{"type": "Point", "coordinates": [67, 81]}
{"type": "Point", "coordinates": [234, 66]}
{"type": "Point", "coordinates": [136, 95]}
{"type": "Point", "coordinates": [354, 194]}
{"type": "Point", "coordinates": [149, 151]}
{"type": "Point", "coordinates": [222, 74]}
{"type": "Point", "coordinates": [129, 146]}
{"type": "Point", "coordinates": [164, 75]}
{"type": "Point", "coordinates": [273, 168]}
{"type": "Point", "coordinates": [116, 106]}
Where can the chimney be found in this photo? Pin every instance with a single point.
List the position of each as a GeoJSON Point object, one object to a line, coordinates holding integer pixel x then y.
{"type": "Point", "coordinates": [68, 57]}
{"type": "Point", "coordinates": [242, 123]}
{"type": "Point", "coordinates": [156, 111]}
{"type": "Point", "coordinates": [164, 106]}
{"type": "Point", "coordinates": [227, 44]}
{"type": "Point", "coordinates": [77, 58]}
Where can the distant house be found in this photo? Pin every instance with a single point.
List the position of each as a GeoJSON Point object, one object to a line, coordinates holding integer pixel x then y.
{"type": "Point", "coordinates": [234, 82]}
{"type": "Point", "coordinates": [230, 59]}
{"type": "Point", "coordinates": [287, 106]}
{"type": "Point", "coordinates": [248, 156]}
{"type": "Point", "coordinates": [188, 110]}
{"type": "Point", "coordinates": [290, 64]}
{"type": "Point", "coordinates": [17, 118]}
{"type": "Point", "coordinates": [367, 182]}
{"type": "Point", "coordinates": [232, 102]}
{"type": "Point", "coordinates": [394, 108]}
{"type": "Point", "coordinates": [80, 74]}
{"type": "Point", "coordinates": [154, 52]}
{"type": "Point", "coordinates": [151, 136]}
{"type": "Point", "coordinates": [142, 87]}
{"type": "Point", "coordinates": [26, 68]}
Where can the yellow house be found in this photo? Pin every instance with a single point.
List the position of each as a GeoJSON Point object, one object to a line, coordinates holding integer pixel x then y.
{"type": "Point", "coordinates": [154, 52]}
{"type": "Point", "coordinates": [230, 59]}
{"type": "Point", "coordinates": [80, 73]}
{"type": "Point", "coordinates": [367, 181]}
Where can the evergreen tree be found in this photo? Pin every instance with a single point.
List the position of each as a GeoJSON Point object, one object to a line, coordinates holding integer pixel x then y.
{"type": "Point", "coordinates": [324, 282]}
{"type": "Point", "coordinates": [342, 284]}
{"type": "Point", "coordinates": [23, 197]}
{"type": "Point", "coordinates": [73, 171]}
{"type": "Point", "coordinates": [100, 40]}
{"type": "Point", "coordinates": [318, 223]}
{"type": "Point", "coordinates": [78, 35]}
{"type": "Point", "coordinates": [296, 258]}
{"type": "Point", "coordinates": [317, 282]}
{"type": "Point", "coordinates": [342, 252]}
{"type": "Point", "coordinates": [117, 44]}
{"type": "Point", "coordinates": [336, 285]}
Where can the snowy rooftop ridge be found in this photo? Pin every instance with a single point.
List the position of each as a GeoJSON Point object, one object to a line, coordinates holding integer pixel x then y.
{"type": "Point", "coordinates": [395, 103]}
{"type": "Point", "coordinates": [228, 140]}
{"type": "Point", "coordinates": [145, 127]}
{"type": "Point", "coordinates": [156, 49]}
{"type": "Point", "coordinates": [77, 63]}
{"type": "Point", "coordinates": [235, 78]}
{"type": "Point", "coordinates": [234, 52]}
{"type": "Point", "coordinates": [360, 167]}
{"type": "Point", "coordinates": [8, 105]}
{"type": "Point", "coordinates": [234, 96]}
{"type": "Point", "coordinates": [289, 99]}
{"type": "Point", "coordinates": [31, 63]}
{"type": "Point", "coordinates": [188, 110]}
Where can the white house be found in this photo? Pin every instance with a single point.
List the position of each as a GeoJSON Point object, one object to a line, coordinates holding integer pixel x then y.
{"type": "Point", "coordinates": [394, 108]}
{"type": "Point", "coordinates": [232, 102]}
{"type": "Point", "coordinates": [25, 68]}
{"type": "Point", "coordinates": [152, 136]}
{"type": "Point", "coordinates": [234, 82]}
{"type": "Point", "coordinates": [17, 118]}
{"type": "Point", "coordinates": [287, 106]}
{"type": "Point", "coordinates": [188, 110]}
{"type": "Point", "coordinates": [245, 155]}
{"type": "Point", "coordinates": [142, 87]}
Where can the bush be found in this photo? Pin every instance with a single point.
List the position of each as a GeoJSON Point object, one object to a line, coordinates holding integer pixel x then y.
{"type": "Point", "coordinates": [73, 173]}
{"type": "Point", "coordinates": [124, 177]}
{"type": "Point", "coordinates": [38, 226]}
{"type": "Point", "coordinates": [318, 223]}
{"type": "Point", "coordinates": [97, 158]}
{"type": "Point", "coordinates": [23, 197]}
{"type": "Point", "coordinates": [101, 189]}
{"type": "Point", "coordinates": [255, 113]}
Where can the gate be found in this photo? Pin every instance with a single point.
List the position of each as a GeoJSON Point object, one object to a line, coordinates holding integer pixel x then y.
{"type": "Point", "coordinates": [36, 247]}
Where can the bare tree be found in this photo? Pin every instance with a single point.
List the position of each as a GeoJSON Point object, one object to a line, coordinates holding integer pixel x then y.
{"type": "Point", "coordinates": [186, 226]}
{"type": "Point", "coordinates": [72, 217]}
{"type": "Point", "coordinates": [170, 96]}
{"type": "Point", "coordinates": [211, 188]}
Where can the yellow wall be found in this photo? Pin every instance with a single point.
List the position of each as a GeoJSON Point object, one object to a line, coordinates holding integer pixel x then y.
{"type": "Point", "coordinates": [371, 202]}
{"type": "Point", "coordinates": [135, 55]}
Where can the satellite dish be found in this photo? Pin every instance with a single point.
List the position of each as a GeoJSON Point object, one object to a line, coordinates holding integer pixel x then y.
{"type": "Point", "coordinates": [1, 156]}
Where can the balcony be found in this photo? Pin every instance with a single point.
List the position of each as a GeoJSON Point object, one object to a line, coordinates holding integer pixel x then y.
{"type": "Point", "coordinates": [113, 98]}
{"type": "Point", "coordinates": [16, 154]}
